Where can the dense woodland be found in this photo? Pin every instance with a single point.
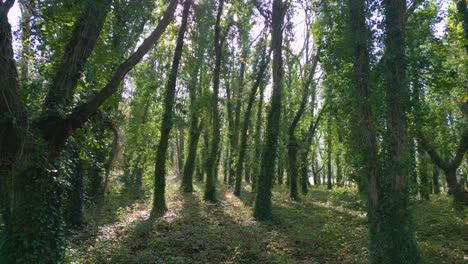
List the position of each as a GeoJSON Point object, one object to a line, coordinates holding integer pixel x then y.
{"type": "Point", "coordinates": [233, 131]}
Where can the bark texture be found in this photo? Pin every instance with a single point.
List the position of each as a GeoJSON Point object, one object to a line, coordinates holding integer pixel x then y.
{"type": "Point", "coordinates": [262, 208]}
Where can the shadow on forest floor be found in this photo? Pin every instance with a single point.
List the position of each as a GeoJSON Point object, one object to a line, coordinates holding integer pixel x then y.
{"type": "Point", "coordinates": [324, 227]}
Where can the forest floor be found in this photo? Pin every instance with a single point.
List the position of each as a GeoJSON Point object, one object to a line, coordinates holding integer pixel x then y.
{"type": "Point", "coordinates": [324, 227]}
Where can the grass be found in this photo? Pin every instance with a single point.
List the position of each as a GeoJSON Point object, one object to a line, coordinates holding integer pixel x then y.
{"type": "Point", "coordinates": [324, 227]}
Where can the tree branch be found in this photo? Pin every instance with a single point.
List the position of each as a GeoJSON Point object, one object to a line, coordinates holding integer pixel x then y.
{"type": "Point", "coordinates": [411, 8]}
{"type": "Point", "coordinates": [84, 37]}
{"type": "Point", "coordinates": [305, 92]}
{"type": "Point", "coordinates": [80, 114]}
{"type": "Point", "coordinates": [10, 105]}
{"type": "Point", "coordinates": [437, 159]}
{"type": "Point", "coordinates": [264, 11]}
{"type": "Point", "coordinates": [461, 151]}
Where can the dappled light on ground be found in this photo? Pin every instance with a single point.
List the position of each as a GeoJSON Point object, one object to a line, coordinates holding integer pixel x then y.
{"type": "Point", "coordinates": [324, 227]}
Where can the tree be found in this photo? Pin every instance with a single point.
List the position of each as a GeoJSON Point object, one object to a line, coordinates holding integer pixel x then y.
{"type": "Point", "coordinates": [159, 201]}
{"type": "Point", "coordinates": [293, 144]}
{"type": "Point", "coordinates": [390, 224]}
{"type": "Point", "coordinates": [394, 184]}
{"type": "Point", "coordinates": [263, 62]}
{"type": "Point", "coordinates": [212, 159]}
{"type": "Point", "coordinates": [262, 209]}
{"type": "Point", "coordinates": [194, 94]}
{"type": "Point", "coordinates": [32, 219]}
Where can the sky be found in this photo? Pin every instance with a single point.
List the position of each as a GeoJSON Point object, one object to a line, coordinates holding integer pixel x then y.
{"type": "Point", "coordinates": [14, 16]}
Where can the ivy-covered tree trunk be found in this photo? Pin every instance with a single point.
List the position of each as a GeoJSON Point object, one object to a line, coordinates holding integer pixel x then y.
{"type": "Point", "coordinates": [29, 186]}
{"type": "Point", "coordinates": [74, 212]}
{"type": "Point", "coordinates": [304, 174]}
{"type": "Point", "coordinates": [463, 14]}
{"type": "Point", "coordinates": [339, 176]}
{"type": "Point", "coordinates": [329, 155]}
{"type": "Point", "coordinates": [450, 167]}
{"type": "Point", "coordinates": [180, 149]}
{"type": "Point", "coordinates": [110, 161]}
{"type": "Point", "coordinates": [258, 141]}
{"type": "Point", "coordinates": [11, 110]}
{"type": "Point", "coordinates": [159, 200]}
{"type": "Point", "coordinates": [235, 148]}
{"type": "Point", "coordinates": [231, 127]}
{"type": "Point", "coordinates": [136, 188]}
{"type": "Point", "coordinates": [205, 151]}
{"type": "Point", "coordinates": [262, 63]}
{"type": "Point", "coordinates": [435, 179]}
{"type": "Point", "coordinates": [315, 170]}
{"type": "Point", "coordinates": [189, 167]}
{"type": "Point", "coordinates": [279, 167]}
{"type": "Point", "coordinates": [225, 164]}
{"type": "Point", "coordinates": [398, 244]}
{"type": "Point", "coordinates": [293, 145]}
{"type": "Point", "coordinates": [413, 170]}
{"type": "Point", "coordinates": [262, 208]}
{"type": "Point", "coordinates": [195, 124]}
{"type": "Point", "coordinates": [33, 226]}
{"type": "Point", "coordinates": [292, 168]}
{"type": "Point", "coordinates": [424, 188]}
{"type": "Point", "coordinates": [391, 227]}
{"type": "Point", "coordinates": [211, 168]}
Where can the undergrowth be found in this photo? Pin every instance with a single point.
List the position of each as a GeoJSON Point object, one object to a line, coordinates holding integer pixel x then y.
{"type": "Point", "coordinates": [324, 227]}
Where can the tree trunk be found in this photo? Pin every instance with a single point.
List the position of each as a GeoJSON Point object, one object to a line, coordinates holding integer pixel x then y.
{"type": "Point", "coordinates": [231, 130]}
{"type": "Point", "coordinates": [32, 204]}
{"type": "Point", "coordinates": [339, 176]}
{"type": "Point", "coordinates": [398, 244]}
{"type": "Point", "coordinates": [279, 169]}
{"type": "Point", "coordinates": [463, 13]}
{"type": "Point", "coordinates": [200, 168]}
{"type": "Point", "coordinates": [245, 126]}
{"type": "Point", "coordinates": [424, 188]}
{"type": "Point", "coordinates": [329, 156]}
{"type": "Point", "coordinates": [180, 150]}
{"type": "Point", "coordinates": [33, 229]}
{"type": "Point", "coordinates": [314, 168]}
{"type": "Point", "coordinates": [11, 112]}
{"type": "Point", "coordinates": [413, 168]}
{"type": "Point", "coordinates": [293, 145]}
{"type": "Point", "coordinates": [292, 170]}
{"type": "Point", "coordinates": [262, 208]}
{"type": "Point", "coordinates": [189, 168]}
{"type": "Point", "coordinates": [110, 162]}
{"type": "Point", "coordinates": [454, 188]}
{"type": "Point", "coordinates": [258, 140]}
{"type": "Point", "coordinates": [159, 200]}
{"type": "Point", "coordinates": [74, 216]}
{"type": "Point", "coordinates": [435, 179]}
{"type": "Point", "coordinates": [304, 174]}
{"type": "Point", "coordinates": [137, 176]}
{"type": "Point", "coordinates": [195, 125]}
{"type": "Point", "coordinates": [386, 244]}
{"type": "Point", "coordinates": [210, 188]}
{"type": "Point", "coordinates": [225, 164]}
